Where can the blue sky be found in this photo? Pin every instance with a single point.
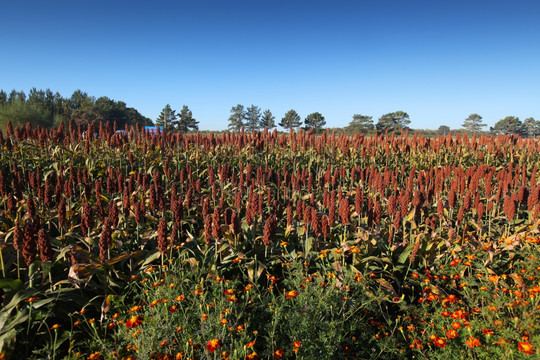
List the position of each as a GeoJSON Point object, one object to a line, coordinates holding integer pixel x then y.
{"type": "Point", "coordinates": [437, 60]}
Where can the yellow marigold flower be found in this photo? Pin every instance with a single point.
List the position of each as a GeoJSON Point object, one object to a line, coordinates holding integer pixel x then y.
{"type": "Point", "coordinates": [525, 347]}
{"type": "Point", "coordinates": [291, 294]}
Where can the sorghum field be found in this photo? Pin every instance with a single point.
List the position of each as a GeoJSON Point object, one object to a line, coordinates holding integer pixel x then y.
{"type": "Point", "coordinates": [267, 245]}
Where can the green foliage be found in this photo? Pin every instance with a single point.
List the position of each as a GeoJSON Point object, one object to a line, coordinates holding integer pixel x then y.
{"type": "Point", "coordinates": [237, 118]}
{"type": "Point", "coordinates": [185, 121]}
{"type": "Point", "coordinates": [268, 121]}
{"type": "Point", "coordinates": [167, 118]}
{"type": "Point", "coordinates": [443, 130]}
{"type": "Point", "coordinates": [510, 125]}
{"type": "Point", "coordinates": [532, 127]}
{"type": "Point", "coordinates": [315, 121]}
{"type": "Point", "coordinates": [393, 122]}
{"type": "Point", "coordinates": [291, 120]}
{"type": "Point", "coordinates": [473, 123]}
{"type": "Point", "coordinates": [252, 118]}
{"type": "Point", "coordinates": [362, 124]}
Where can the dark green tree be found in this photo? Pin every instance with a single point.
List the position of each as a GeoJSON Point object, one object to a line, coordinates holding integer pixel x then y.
{"type": "Point", "coordinates": [315, 121]}
{"type": "Point", "coordinates": [3, 97]}
{"type": "Point", "coordinates": [253, 118]}
{"type": "Point", "coordinates": [473, 123]}
{"type": "Point", "coordinates": [268, 121]}
{"type": "Point", "coordinates": [510, 125]}
{"type": "Point", "coordinates": [186, 122]}
{"type": "Point", "coordinates": [291, 120]}
{"type": "Point", "coordinates": [236, 120]}
{"type": "Point", "coordinates": [532, 127]}
{"type": "Point", "coordinates": [443, 130]}
{"type": "Point", "coordinates": [360, 124]}
{"type": "Point", "coordinates": [167, 118]}
{"type": "Point", "coordinates": [393, 122]}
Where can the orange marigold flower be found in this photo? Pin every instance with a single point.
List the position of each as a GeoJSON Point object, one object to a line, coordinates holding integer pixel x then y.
{"type": "Point", "coordinates": [487, 332]}
{"type": "Point", "coordinates": [296, 345]}
{"type": "Point", "coordinates": [230, 292]}
{"type": "Point", "coordinates": [525, 347]}
{"type": "Point", "coordinates": [134, 321]}
{"type": "Point", "coordinates": [213, 345]}
{"type": "Point", "coordinates": [416, 344]}
{"type": "Point", "coordinates": [440, 342]}
{"type": "Point", "coordinates": [55, 326]}
{"type": "Point", "coordinates": [452, 334]}
{"type": "Point", "coordinates": [250, 344]}
{"type": "Point", "coordinates": [278, 354]}
{"type": "Point", "coordinates": [31, 299]}
{"type": "Point", "coordinates": [179, 298]}
{"type": "Point", "coordinates": [133, 309]}
{"type": "Point", "coordinates": [164, 343]}
{"type": "Point", "coordinates": [473, 342]}
{"type": "Point", "coordinates": [291, 294]}
{"type": "Point", "coordinates": [173, 308]}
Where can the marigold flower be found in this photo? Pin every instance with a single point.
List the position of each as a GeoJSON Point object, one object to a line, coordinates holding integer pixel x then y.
{"type": "Point", "coordinates": [525, 347]}
{"type": "Point", "coordinates": [452, 334]}
{"type": "Point", "coordinates": [473, 342]}
{"type": "Point", "coordinates": [416, 344]}
{"type": "Point", "coordinates": [296, 345]}
{"type": "Point", "coordinates": [250, 344]}
{"type": "Point", "coordinates": [213, 345]}
{"type": "Point", "coordinates": [440, 342]}
{"type": "Point", "coordinates": [31, 299]}
{"type": "Point", "coordinates": [55, 326]}
{"type": "Point", "coordinates": [278, 354]}
{"type": "Point", "coordinates": [291, 294]}
{"type": "Point", "coordinates": [134, 321]}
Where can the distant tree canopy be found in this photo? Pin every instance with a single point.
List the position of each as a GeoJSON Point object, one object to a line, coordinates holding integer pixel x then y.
{"type": "Point", "coordinates": [361, 124]}
{"type": "Point", "coordinates": [393, 122]}
{"type": "Point", "coordinates": [47, 109]}
{"type": "Point", "coordinates": [510, 125]}
{"type": "Point", "coordinates": [315, 121]}
{"type": "Point", "coordinates": [291, 120]}
{"type": "Point", "coordinates": [473, 123]}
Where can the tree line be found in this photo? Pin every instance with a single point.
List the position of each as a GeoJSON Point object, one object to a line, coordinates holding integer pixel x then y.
{"type": "Point", "coordinates": [47, 109]}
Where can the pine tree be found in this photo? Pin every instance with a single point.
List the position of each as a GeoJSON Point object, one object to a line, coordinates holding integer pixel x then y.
{"type": "Point", "coordinates": [186, 122]}
{"type": "Point", "coordinates": [267, 120]}
{"type": "Point", "coordinates": [473, 123]}
{"type": "Point", "coordinates": [315, 121]}
{"type": "Point", "coordinates": [291, 120]}
{"type": "Point", "coordinates": [236, 120]}
{"type": "Point", "coordinates": [167, 118]}
{"type": "Point", "coordinates": [361, 124]}
{"type": "Point", "coordinates": [253, 116]}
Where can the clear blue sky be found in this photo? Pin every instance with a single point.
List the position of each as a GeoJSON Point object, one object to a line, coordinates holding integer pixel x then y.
{"type": "Point", "coordinates": [437, 60]}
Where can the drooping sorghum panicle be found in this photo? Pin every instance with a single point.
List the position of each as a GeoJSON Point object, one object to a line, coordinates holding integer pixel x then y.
{"type": "Point", "coordinates": [290, 215]}
{"type": "Point", "coordinates": [11, 204]}
{"type": "Point", "coordinates": [100, 209]}
{"type": "Point", "coordinates": [113, 213]}
{"type": "Point", "coordinates": [235, 223]}
{"type": "Point", "coordinates": [162, 235]}
{"type": "Point", "coordinates": [332, 208]}
{"type": "Point", "coordinates": [18, 238]}
{"type": "Point", "coordinates": [105, 240]}
{"type": "Point", "coordinates": [415, 249]}
{"type": "Point", "coordinates": [509, 207]}
{"type": "Point", "coordinates": [227, 216]}
{"type": "Point", "coordinates": [30, 207]}
{"type": "Point", "coordinates": [153, 199]}
{"type": "Point", "coordinates": [344, 211]}
{"type": "Point", "coordinates": [216, 223]}
{"type": "Point", "coordinates": [269, 229]}
{"type": "Point", "coordinates": [377, 212]}
{"type": "Point", "coordinates": [29, 249]}
{"type": "Point", "coordinates": [62, 212]}
{"type": "Point", "coordinates": [299, 210]}
{"type": "Point", "coordinates": [391, 205]}
{"type": "Point", "coordinates": [480, 209]}
{"type": "Point", "coordinates": [45, 247]}
{"type": "Point", "coordinates": [315, 222]}
{"type": "Point", "coordinates": [207, 228]}
{"type": "Point", "coordinates": [125, 202]}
